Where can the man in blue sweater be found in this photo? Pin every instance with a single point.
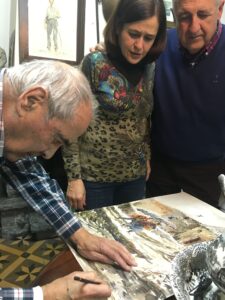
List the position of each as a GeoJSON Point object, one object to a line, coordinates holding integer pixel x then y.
{"type": "Point", "coordinates": [188, 132]}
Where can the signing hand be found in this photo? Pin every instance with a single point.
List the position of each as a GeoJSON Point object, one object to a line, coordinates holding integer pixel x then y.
{"type": "Point", "coordinates": [103, 250]}
{"type": "Point", "coordinates": [66, 288]}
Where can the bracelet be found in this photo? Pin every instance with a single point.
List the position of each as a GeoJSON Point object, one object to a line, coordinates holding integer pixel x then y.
{"type": "Point", "coordinates": [70, 189]}
{"type": "Point", "coordinates": [69, 184]}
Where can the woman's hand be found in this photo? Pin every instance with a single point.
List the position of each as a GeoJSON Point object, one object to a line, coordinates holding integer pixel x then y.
{"type": "Point", "coordinates": [76, 194]}
{"type": "Point", "coordinates": [148, 169]}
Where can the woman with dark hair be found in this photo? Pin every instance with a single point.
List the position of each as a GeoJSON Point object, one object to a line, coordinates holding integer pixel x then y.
{"type": "Point", "coordinates": [109, 164]}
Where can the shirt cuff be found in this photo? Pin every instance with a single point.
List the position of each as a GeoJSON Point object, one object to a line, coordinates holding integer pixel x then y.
{"type": "Point", "coordinates": [38, 293]}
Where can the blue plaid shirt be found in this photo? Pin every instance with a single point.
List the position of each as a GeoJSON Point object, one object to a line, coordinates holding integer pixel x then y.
{"type": "Point", "coordinates": [41, 192]}
{"type": "Point", "coordinates": [16, 294]}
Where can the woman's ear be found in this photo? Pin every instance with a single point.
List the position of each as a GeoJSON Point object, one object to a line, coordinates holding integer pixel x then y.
{"type": "Point", "coordinates": [31, 99]}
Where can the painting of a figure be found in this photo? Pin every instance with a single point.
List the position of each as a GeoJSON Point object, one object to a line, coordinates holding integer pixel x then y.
{"type": "Point", "coordinates": [168, 6]}
{"type": "Point", "coordinates": [52, 29]}
{"type": "Point", "coordinates": [51, 20]}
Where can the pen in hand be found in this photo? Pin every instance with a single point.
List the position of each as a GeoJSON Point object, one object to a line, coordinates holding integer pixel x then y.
{"type": "Point", "coordinates": [84, 280]}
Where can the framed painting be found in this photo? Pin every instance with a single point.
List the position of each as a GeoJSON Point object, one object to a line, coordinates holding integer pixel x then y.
{"type": "Point", "coordinates": [169, 14]}
{"type": "Point", "coordinates": [52, 29]}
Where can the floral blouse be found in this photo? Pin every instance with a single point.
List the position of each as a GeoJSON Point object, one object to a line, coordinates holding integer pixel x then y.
{"type": "Point", "coordinates": [116, 145]}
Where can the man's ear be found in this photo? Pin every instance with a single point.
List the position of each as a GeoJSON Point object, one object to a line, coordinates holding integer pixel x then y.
{"type": "Point", "coordinates": [31, 99]}
{"type": "Point", "coordinates": [220, 10]}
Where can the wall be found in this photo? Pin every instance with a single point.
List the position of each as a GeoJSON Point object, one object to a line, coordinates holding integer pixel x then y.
{"type": "Point", "coordinates": [5, 6]}
{"type": "Point", "coordinates": [90, 25]}
{"type": "Point", "coordinates": [7, 22]}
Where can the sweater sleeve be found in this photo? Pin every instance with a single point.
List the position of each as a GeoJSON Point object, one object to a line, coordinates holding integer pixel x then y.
{"type": "Point", "coordinates": [147, 147]}
{"type": "Point", "coordinates": [150, 85]}
{"type": "Point", "coordinates": [71, 154]}
{"type": "Point", "coordinates": [87, 66]}
{"type": "Point", "coordinates": [71, 159]}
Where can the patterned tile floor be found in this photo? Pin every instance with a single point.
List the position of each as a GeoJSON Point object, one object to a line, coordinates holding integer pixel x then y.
{"type": "Point", "coordinates": [22, 260]}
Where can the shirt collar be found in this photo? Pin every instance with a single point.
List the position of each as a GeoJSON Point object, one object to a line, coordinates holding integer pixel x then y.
{"type": "Point", "coordinates": [1, 113]}
{"type": "Point", "coordinates": [193, 60]}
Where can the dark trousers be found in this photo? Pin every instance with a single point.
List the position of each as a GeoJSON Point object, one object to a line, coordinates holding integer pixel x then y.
{"type": "Point", "coordinates": [100, 194]}
{"type": "Point", "coordinates": [197, 179]}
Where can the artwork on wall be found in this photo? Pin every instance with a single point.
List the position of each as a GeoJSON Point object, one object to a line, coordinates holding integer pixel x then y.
{"type": "Point", "coordinates": [154, 234]}
{"type": "Point", "coordinates": [52, 29]}
{"type": "Point", "coordinates": [169, 14]}
{"type": "Point", "coordinates": [168, 6]}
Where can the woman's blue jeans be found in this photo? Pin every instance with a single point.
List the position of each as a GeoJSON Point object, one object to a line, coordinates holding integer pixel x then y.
{"type": "Point", "coordinates": [100, 194]}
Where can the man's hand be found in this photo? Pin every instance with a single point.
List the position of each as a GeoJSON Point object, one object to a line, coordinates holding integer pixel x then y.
{"type": "Point", "coordinates": [103, 250]}
{"type": "Point", "coordinates": [66, 288]}
{"type": "Point", "coordinates": [98, 47]}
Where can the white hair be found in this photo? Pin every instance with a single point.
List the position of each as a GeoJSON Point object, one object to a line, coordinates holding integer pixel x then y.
{"type": "Point", "coordinates": [66, 85]}
{"type": "Point", "coordinates": [175, 2]}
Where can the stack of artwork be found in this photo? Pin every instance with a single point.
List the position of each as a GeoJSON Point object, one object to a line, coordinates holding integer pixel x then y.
{"type": "Point", "coordinates": [154, 234]}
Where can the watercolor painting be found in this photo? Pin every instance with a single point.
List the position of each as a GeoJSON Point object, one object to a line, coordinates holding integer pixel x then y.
{"type": "Point", "coordinates": [58, 39]}
{"type": "Point", "coordinates": [154, 234]}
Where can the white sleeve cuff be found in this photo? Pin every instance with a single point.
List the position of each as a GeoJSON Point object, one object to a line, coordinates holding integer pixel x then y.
{"type": "Point", "coordinates": [38, 293]}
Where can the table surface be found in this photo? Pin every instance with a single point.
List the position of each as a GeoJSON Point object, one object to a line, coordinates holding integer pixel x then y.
{"type": "Point", "coordinates": [191, 206]}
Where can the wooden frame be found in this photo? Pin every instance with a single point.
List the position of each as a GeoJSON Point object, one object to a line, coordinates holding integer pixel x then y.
{"type": "Point", "coordinates": [38, 41]}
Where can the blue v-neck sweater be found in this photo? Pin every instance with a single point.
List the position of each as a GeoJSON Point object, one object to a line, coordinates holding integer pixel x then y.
{"type": "Point", "coordinates": [189, 110]}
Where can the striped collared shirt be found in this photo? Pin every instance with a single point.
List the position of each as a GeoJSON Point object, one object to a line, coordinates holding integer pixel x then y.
{"type": "Point", "coordinates": [193, 60]}
{"type": "Point", "coordinates": [16, 294]}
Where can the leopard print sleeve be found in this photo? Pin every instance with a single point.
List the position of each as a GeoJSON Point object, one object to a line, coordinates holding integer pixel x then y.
{"type": "Point", "coordinates": [71, 159]}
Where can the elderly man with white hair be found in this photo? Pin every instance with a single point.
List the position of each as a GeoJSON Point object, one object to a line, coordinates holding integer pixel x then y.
{"type": "Point", "coordinates": [44, 105]}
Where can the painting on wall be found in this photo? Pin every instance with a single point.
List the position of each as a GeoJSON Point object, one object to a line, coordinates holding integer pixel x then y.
{"type": "Point", "coordinates": [168, 7]}
{"type": "Point", "coordinates": [51, 29]}
{"type": "Point", "coordinates": [169, 14]}
{"type": "Point", "coordinates": [154, 233]}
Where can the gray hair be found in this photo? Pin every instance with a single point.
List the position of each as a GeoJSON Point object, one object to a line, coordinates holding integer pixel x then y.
{"type": "Point", "coordinates": [176, 2]}
{"type": "Point", "coordinates": [66, 85]}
